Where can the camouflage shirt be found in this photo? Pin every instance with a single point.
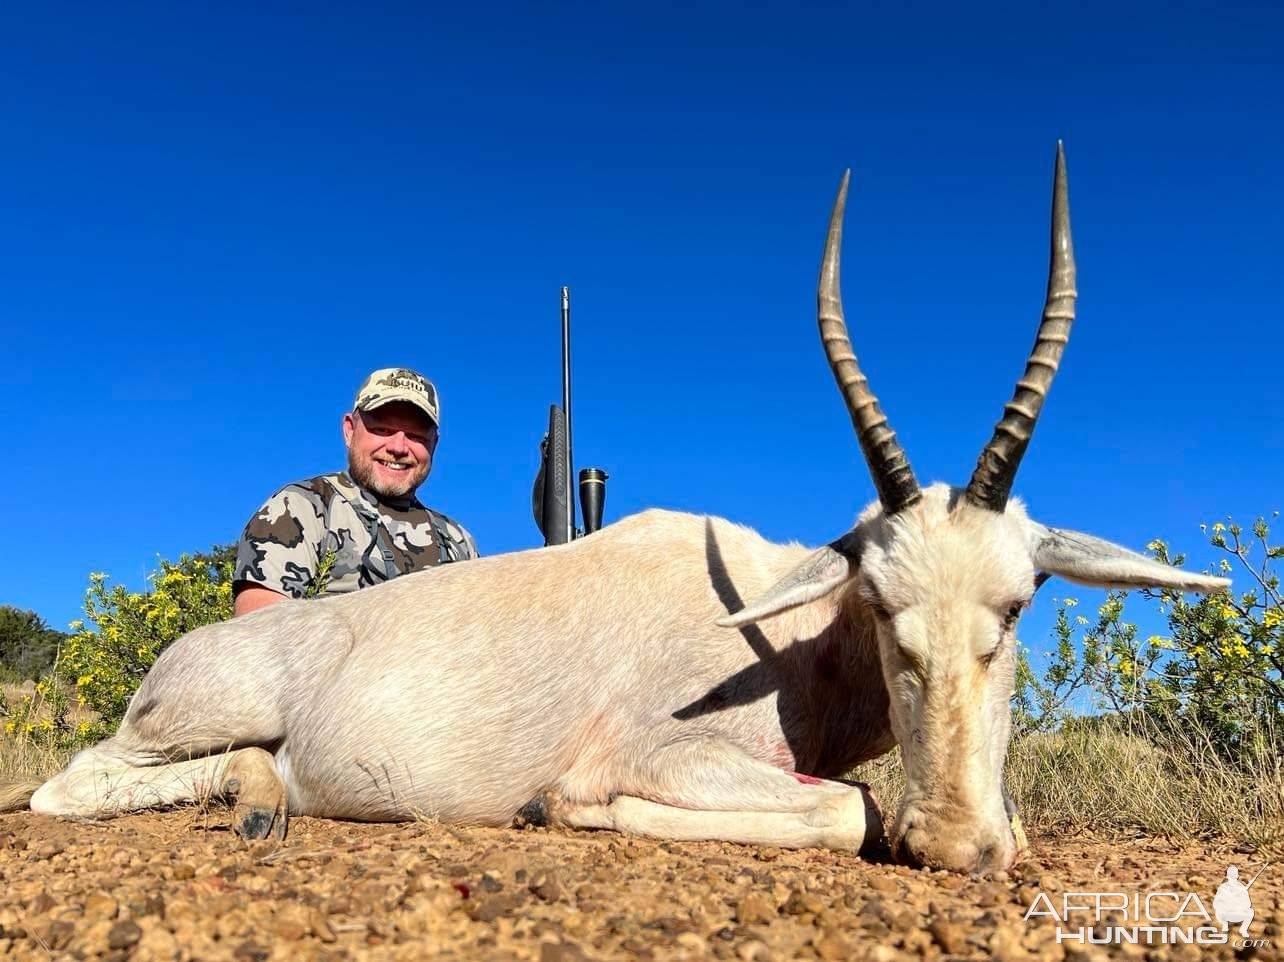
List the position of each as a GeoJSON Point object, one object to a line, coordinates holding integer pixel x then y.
{"type": "Point", "coordinates": [371, 540]}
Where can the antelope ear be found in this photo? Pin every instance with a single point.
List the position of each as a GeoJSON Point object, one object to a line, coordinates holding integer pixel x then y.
{"type": "Point", "coordinates": [820, 573]}
{"type": "Point", "coordinates": [1086, 560]}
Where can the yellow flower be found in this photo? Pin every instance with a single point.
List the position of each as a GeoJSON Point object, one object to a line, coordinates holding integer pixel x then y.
{"type": "Point", "coordinates": [1228, 612]}
{"type": "Point", "coordinates": [1272, 617]}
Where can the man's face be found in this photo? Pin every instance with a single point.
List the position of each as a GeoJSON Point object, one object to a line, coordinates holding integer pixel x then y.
{"type": "Point", "coordinates": [390, 448]}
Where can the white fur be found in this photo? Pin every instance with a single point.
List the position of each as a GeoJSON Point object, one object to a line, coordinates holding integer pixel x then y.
{"type": "Point", "coordinates": [595, 672]}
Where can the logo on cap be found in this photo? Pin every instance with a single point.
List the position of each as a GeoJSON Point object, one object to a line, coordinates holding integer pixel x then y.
{"type": "Point", "coordinates": [398, 384]}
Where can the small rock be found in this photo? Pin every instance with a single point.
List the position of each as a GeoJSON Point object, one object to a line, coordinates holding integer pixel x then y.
{"type": "Point", "coordinates": [248, 951]}
{"type": "Point", "coordinates": [901, 920]}
{"type": "Point", "coordinates": [881, 883]}
{"type": "Point", "coordinates": [801, 903]}
{"type": "Point", "coordinates": [41, 904]}
{"type": "Point", "coordinates": [56, 934]}
{"type": "Point", "coordinates": [548, 886]}
{"type": "Point", "coordinates": [948, 936]}
{"type": "Point", "coordinates": [753, 909]}
{"type": "Point", "coordinates": [124, 935]}
{"type": "Point", "coordinates": [158, 944]}
{"type": "Point", "coordinates": [289, 929]}
{"type": "Point", "coordinates": [153, 904]}
{"type": "Point", "coordinates": [183, 871]}
{"type": "Point", "coordinates": [492, 907]}
{"type": "Point", "coordinates": [753, 950]}
{"type": "Point", "coordinates": [1079, 953]}
{"type": "Point", "coordinates": [1005, 943]}
{"type": "Point", "coordinates": [47, 850]}
{"type": "Point", "coordinates": [692, 942]}
{"type": "Point", "coordinates": [561, 952]}
{"type": "Point", "coordinates": [101, 906]}
{"type": "Point", "coordinates": [832, 946]}
{"type": "Point", "coordinates": [872, 909]}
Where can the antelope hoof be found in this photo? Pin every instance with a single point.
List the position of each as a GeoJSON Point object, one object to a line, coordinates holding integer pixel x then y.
{"type": "Point", "coordinates": [851, 822]}
{"type": "Point", "coordinates": [260, 806]}
{"type": "Point", "coordinates": [253, 822]}
{"type": "Point", "coordinates": [535, 813]}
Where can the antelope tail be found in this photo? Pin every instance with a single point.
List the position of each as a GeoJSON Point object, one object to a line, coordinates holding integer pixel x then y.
{"type": "Point", "coordinates": [16, 796]}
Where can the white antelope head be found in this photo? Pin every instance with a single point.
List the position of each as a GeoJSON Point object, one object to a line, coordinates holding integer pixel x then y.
{"type": "Point", "coordinates": [944, 574]}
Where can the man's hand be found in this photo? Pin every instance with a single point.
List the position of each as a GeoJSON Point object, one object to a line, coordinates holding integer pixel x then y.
{"type": "Point", "coordinates": [254, 597]}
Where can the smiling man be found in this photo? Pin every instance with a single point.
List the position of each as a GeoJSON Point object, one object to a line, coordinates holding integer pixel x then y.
{"type": "Point", "coordinates": [340, 532]}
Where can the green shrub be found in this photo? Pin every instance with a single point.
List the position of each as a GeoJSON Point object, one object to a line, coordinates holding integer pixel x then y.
{"type": "Point", "coordinates": [124, 632]}
{"type": "Point", "coordinates": [103, 661]}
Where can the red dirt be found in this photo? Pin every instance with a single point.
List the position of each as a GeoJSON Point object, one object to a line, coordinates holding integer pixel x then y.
{"type": "Point", "coordinates": [179, 885]}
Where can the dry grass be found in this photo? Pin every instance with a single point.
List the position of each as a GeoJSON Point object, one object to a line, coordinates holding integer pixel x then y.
{"type": "Point", "coordinates": [1100, 777]}
{"type": "Point", "coordinates": [1087, 776]}
{"type": "Point", "coordinates": [23, 757]}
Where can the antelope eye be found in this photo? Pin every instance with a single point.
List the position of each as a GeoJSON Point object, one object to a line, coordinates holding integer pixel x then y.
{"type": "Point", "coordinates": [1014, 612]}
{"type": "Point", "coordinates": [911, 657]}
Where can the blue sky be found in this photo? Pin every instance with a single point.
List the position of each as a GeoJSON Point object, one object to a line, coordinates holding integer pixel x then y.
{"type": "Point", "coordinates": [215, 223]}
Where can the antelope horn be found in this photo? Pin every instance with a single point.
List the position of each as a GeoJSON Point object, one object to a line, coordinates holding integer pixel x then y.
{"type": "Point", "coordinates": [888, 465]}
{"type": "Point", "coordinates": [996, 468]}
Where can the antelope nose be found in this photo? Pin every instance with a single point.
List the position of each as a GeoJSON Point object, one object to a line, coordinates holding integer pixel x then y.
{"type": "Point", "coordinates": [974, 852]}
{"type": "Point", "coordinates": [992, 858]}
{"type": "Point", "coordinates": [918, 850]}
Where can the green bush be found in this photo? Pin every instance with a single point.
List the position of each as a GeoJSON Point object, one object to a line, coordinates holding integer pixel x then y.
{"type": "Point", "coordinates": [124, 632]}
{"type": "Point", "coordinates": [103, 661]}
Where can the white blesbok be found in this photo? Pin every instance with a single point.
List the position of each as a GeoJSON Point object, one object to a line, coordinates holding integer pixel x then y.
{"type": "Point", "coordinates": [652, 700]}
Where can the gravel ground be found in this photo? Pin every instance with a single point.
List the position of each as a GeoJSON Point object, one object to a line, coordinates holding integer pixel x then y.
{"type": "Point", "coordinates": [179, 885]}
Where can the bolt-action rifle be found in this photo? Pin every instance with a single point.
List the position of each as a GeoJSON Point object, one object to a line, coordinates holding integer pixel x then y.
{"type": "Point", "coordinates": [553, 498]}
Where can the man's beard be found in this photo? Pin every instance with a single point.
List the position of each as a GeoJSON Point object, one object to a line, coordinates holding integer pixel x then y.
{"type": "Point", "coordinates": [362, 469]}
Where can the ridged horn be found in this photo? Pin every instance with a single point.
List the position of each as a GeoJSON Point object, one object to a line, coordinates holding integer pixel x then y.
{"type": "Point", "coordinates": [890, 468]}
{"type": "Point", "coordinates": [997, 466]}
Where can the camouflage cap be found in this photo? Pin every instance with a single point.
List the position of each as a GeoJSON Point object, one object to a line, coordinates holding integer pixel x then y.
{"type": "Point", "coordinates": [398, 384]}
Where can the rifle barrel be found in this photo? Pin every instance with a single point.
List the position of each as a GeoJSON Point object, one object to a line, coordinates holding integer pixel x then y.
{"type": "Point", "coordinates": [566, 406]}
